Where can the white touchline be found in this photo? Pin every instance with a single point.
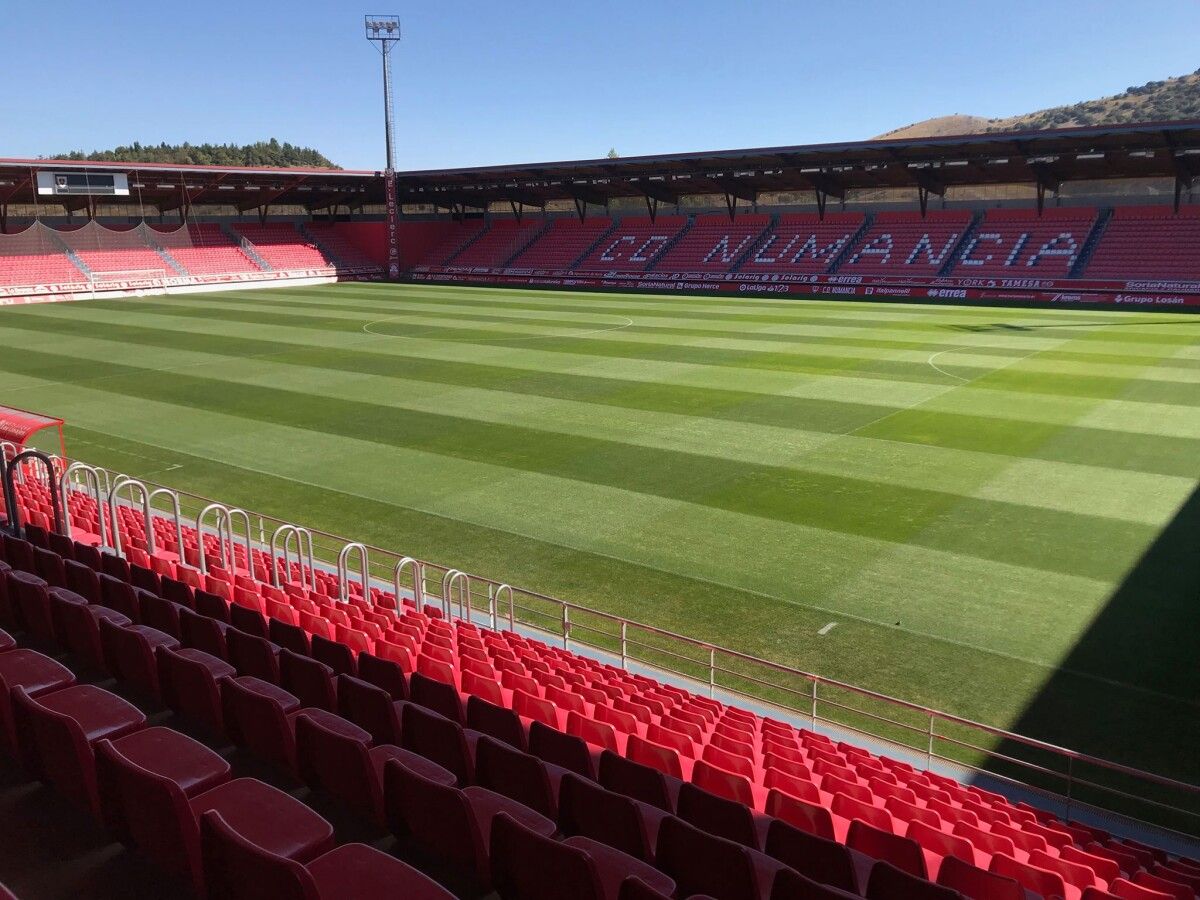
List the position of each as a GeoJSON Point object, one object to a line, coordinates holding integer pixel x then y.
{"type": "Point", "coordinates": [828, 628]}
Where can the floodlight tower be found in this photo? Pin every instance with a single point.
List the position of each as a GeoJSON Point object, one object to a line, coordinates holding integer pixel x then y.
{"type": "Point", "coordinates": [384, 33]}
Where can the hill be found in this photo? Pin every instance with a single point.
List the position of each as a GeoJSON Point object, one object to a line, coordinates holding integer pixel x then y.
{"type": "Point", "coordinates": [260, 153]}
{"type": "Point", "coordinates": [1155, 101]}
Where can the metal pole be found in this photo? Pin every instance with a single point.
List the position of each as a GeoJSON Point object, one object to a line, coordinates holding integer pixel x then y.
{"type": "Point", "coordinates": [386, 47]}
{"type": "Point", "coordinates": [624, 645]}
{"type": "Point", "coordinates": [929, 751]}
{"type": "Point", "coordinates": [712, 673]}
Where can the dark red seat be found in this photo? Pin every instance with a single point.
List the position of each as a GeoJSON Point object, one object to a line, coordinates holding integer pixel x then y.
{"type": "Point", "coordinates": [129, 654]}
{"type": "Point", "coordinates": [1032, 878]}
{"type": "Point", "coordinates": [701, 863]}
{"type": "Point", "coordinates": [30, 596]}
{"type": "Point", "coordinates": [585, 808]}
{"type": "Point", "coordinates": [48, 566]}
{"type": "Point", "coordinates": [78, 625]}
{"type": "Point", "coordinates": [504, 769]}
{"type": "Point", "coordinates": [161, 615]}
{"type": "Point", "coordinates": [202, 632]}
{"type": "Point", "coordinates": [821, 859]}
{"type": "Point", "coordinates": [438, 696]}
{"type": "Point", "coordinates": [83, 580]}
{"type": "Point", "coordinates": [439, 739]}
{"type": "Point", "coordinates": [371, 708]}
{"type": "Point", "coordinates": [238, 868]}
{"type": "Point", "coordinates": [497, 721]}
{"type": "Point", "coordinates": [252, 655]}
{"type": "Point", "coordinates": [976, 883]}
{"type": "Point", "coordinates": [451, 825]}
{"type": "Point", "coordinates": [309, 680]}
{"type": "Point", "coordinates": [190, 683]}
{"type": "Point", "coordinates": [258, 716]}
{"type": "Point", "coordinates": [903, 853]}
{"type": "Point", "coordinates": [288, 636]}
{"type": "Point", "coordinates": [527, 865]}
{"type": "Point", "coordinates": [335, 755]}
{"type": "Point", "coordinates": [249, 621]}
{"type": "Point", "coordinates": [723, 817]}
{"type": "Point", "coordinates": [334, 654]}
{"type": "Point", "coordinates": [890, 883]}
{"type": "Point", "coordinates": [563, 750]}
{"type": "Point", "coordinates": [384, 673]}
{"type": "Point", "coordinates": [117, 594]}
{"type": "Point", "coordinates": [37, 675]}
{"type": "Point", "coordinates": [63, 727]}
{"type": "Point", "coordinates": [639, 782]}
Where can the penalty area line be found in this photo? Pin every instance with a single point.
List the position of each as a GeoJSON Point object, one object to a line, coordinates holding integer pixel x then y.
{"type": "Point", "coordinates": [828, 628]}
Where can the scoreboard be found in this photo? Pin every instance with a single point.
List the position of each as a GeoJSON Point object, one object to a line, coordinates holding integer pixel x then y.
{"type": "Point", "coordinates": [86, 183]}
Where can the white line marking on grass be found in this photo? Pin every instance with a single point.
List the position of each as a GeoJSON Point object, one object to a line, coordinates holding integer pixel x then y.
{"type": "Point", "coordinates": [536, 337]}
{"type": "Point", "coordinates": [943, 371]}
{"type": "Point", "coordinates": [828, 628]}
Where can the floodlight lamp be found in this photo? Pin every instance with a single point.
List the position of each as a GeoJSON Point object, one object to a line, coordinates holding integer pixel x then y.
{"type": "Point", "coordinates": [382, 28]}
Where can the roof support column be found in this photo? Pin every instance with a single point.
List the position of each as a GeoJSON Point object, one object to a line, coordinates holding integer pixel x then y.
{"type": "Point", "coordinates": [822, 199]}
{"type": "Point", "coordinates": [581, 208]}
{"type": "Point", "coordinates": [923, 199]}
{"type": "Point", "coordinates": [517, 209]}
{"type": "Point", "coordinates": [1182, 183]}
{"type": "Point", "coordinates": [731, 205]}
{"type": "Point", "coordinates": [652, 207]}
{"type": "Point", "coordinates": [3, 218]}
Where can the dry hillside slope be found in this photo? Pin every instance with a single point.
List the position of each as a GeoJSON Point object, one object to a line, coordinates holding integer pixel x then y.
{"type": "Point", "coordinates": [1155, 101]}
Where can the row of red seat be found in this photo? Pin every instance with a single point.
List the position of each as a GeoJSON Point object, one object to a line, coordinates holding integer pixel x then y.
{"type": "Point", "coordinates": [1140, 242]}
{"type": "Point", "coordinates": [824, 786]}
{"type": "Point", "coordinates": [280, 702]}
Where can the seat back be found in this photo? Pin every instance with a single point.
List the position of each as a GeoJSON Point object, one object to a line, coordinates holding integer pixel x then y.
{"type": "Point", "coordinates": [717, 780]}
{"type": "Point", "coordinates": [83, 580]}
{"type": "Point", "coordinates": [118, 595]}
{"type": "Point", "coordinates": [520, 776]}
{"type": "Point", "coordinates": [819, 858]}
{"type": "Point", "coordinates": [437, 738]}
{"type": "Point", "coordinates": [203, 632]}
{"type": "Point", "coordinates": [239, 870]}
{"type": "Point", "coordinates": [308, 679]}
{"type": "Point", "coordinates": [717, 814]}
{"type": "Point", "coordinates": [160, 614]}
{"type": "Point", "coordinates": [289, 636]}
{"type": "Point", "coordinates": [585, 808]}
{"type": "Point", "coordinates": [30, 596]}
{"type": "Point", "coordinates": [437, 816]}
{"type": "Point", "coordinates": [976, 883]}
{"type": "Point", "coordinates": [644, 783]}
{"type": "Point", "coordinates": [528, 866]}
{"type": "Point", "coordinates": [370, 708]}
{"type": "Point", "coordinates": [888, 882]}
{"type": "Point", "coordinates": [937, 841]}
{"type": "Point", "coordinates": [251, 621]}
{"type": "Point", "coordinates": [56, 748]}
{"type": "Point", "coordinates": [190, 687]}
{"type": "Point", "coordinates": [902, 852]}
{"type": "Point", "coordinates": [648, 753]}
{"type": "Point", "coordinates": [252, 655]}
{"type": "Point", "coordinates": [598, 734]}
{"type": "Point", "coordinates": [339, 764]}
{"type": "Point", "coordinates": [702, 863]}
{"type": "Point", "coordinates": [153, 809]}
{"type": "Point", "coordinates": [1032, 878]}
{"type": "Point", "coordinates": [810, 817]}
{"type": "Point", "coordinates": [337, 656]}
{"type": "Point", "coordinates": [561, 749]}
{"type": "Point", "coordinates": [790, 885]}
{"type": "Point", "coordinates": [849, 808]}
{"type": "Point", "coordinates": [383, 673]}
{"type": "Point", "coordinates": [436, 695]}
{"type": "Point", "coordinates": [255, 720]}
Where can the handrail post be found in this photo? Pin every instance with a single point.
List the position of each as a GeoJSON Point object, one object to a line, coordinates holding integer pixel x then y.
{"type": "Point", "coordinates": [814, 703]}
{"type": "Point", "coordinates": [344, 571]}
{"type": "Point", "coordinates": [566, 627]}
{"type": "Point", "coordinates": [929, 750]}
{"type": "Point", "coordinates": [512, 611]}
{"type": "Point", "coordinates": [1070, 784]}
{"type": "Point", "coordinates": [418, 577]}
{"type": "Point", "coordinates": [712, 673]}
{"type": "Point", "coordinates": [624, 644]}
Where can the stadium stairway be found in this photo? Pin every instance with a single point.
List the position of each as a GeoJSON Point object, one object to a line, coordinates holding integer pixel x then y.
{"type": "Point", "coordinates": [967, 235]}
{"type": "Point", "coordinates": [247, 247]}
{"type": "Point", "coordinates": [731, 774]}
{"type": "Point", "coordinates": [1093, 240]}
{"type": "Point", "coordinates": [594, 245]}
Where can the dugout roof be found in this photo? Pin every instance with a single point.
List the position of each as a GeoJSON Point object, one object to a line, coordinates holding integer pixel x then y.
{"type": "Point", "coordinates": [1044, 158]}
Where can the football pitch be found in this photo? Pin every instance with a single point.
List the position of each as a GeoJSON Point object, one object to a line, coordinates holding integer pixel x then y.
{"type": "Point", "coordinates": [989, 511]}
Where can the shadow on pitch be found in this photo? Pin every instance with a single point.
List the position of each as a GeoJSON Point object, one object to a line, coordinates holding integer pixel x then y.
{"type": "Point", "coordinates": [1129, 690]}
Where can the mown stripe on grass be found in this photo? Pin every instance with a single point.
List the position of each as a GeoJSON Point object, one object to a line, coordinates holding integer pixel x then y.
{"type": "Point", "coordinates": [996, 531]}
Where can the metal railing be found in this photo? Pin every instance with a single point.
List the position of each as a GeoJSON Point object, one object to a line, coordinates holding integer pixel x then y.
{"type": "Point", "coordinates": [1075, 785]}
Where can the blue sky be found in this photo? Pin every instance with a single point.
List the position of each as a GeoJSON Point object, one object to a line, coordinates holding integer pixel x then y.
{"type": "Point", "coordinates": [484, 82]}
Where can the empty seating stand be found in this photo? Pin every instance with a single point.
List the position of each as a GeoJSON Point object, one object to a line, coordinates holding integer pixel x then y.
{"type": "Point", "coordinates": [339, 246]}
{"type": "Point", "coordinates": [714, 243]}
{"type": "Point", "coordinates": [1018, 243]}
{"type": "Point", "coordinates": [803, 243]}
{"type": "Point", "coordinates": [634, 245]}
{"type": "Point", "coordinates": [455, 239]}
{"type": "Point", "coordinates": [34, 257]}
{"type": "Point", "coordinates": [566, 735]}
{"type": "Point", "coordinates": [904, 243]}
{"type": "Point", "coordinates": [1150, 243]}
{"type": "Point", "coordinates": [282, 246]}
{"type": "Point", "coordinates": [562, 244]}
{"type": "Point", "coordinates": [501, 242]}
{"type": "Point", "coordinates": [205, 249]}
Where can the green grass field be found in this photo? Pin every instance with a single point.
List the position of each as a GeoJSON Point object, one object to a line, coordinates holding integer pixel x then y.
{"type": "Point", "coordinates": [998, 508]}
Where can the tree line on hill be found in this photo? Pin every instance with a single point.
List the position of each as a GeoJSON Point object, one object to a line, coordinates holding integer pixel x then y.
{"type": "Point", "coordinates": [260, 153]}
